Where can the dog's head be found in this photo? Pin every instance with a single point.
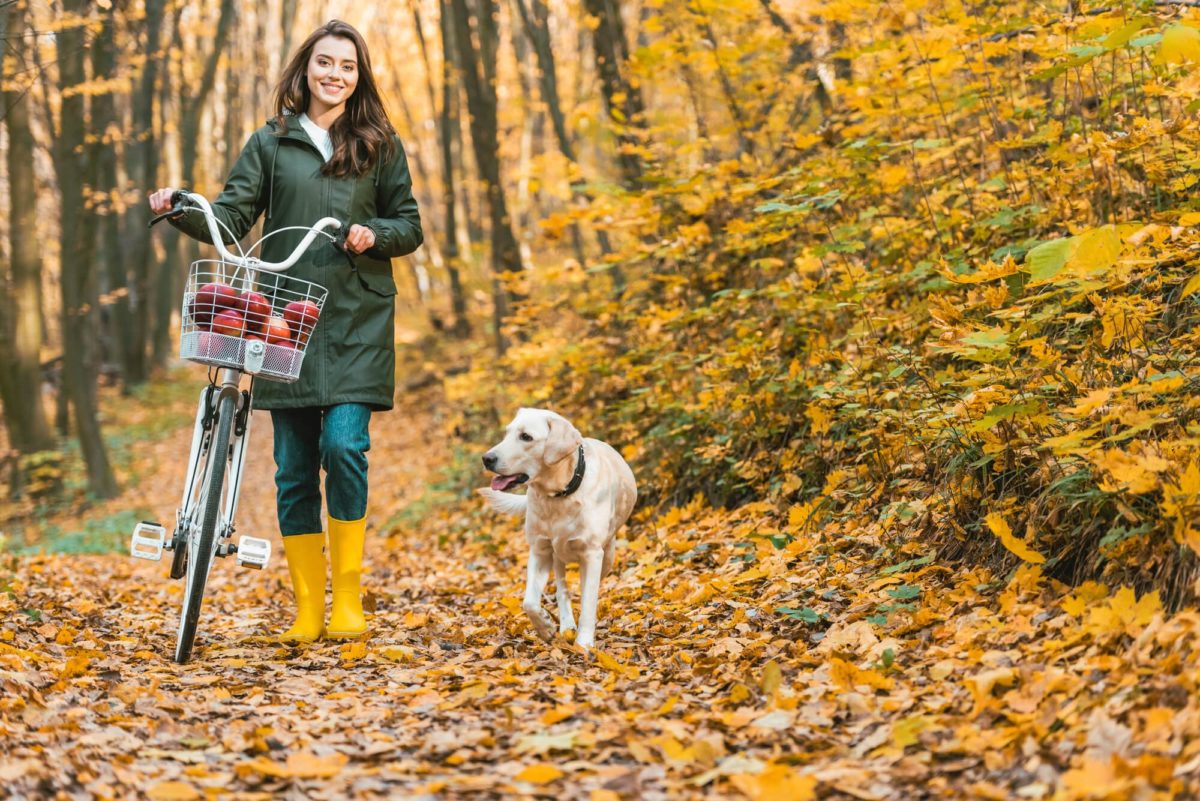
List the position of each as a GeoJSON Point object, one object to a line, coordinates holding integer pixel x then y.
{"type": "Point", "coordinates": [533, 441]}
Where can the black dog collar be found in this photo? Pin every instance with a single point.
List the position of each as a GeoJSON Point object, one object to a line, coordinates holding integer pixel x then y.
{"type": "Point", "coordinates": [576, 479]}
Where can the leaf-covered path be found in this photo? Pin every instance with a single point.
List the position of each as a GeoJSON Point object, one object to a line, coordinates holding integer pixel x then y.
{"type": "Point", "coordinates": [739, 657]}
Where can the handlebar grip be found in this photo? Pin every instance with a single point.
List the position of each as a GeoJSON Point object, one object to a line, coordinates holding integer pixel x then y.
{"type": "Point", "coordinates": [177, 208]}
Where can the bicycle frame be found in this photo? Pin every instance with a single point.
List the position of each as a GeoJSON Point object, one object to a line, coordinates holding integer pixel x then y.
{"type": "Point", "coordinates": [227, 382]}
{"type": "Point", "coordinates": [208, 506]}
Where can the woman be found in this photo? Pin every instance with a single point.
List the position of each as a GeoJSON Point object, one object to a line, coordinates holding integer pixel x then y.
{"type": "Point", "coordinates": [330, 150]}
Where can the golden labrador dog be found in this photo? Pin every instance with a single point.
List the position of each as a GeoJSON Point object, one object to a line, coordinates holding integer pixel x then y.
{"type": "Point", "coordinates": [580, 491]}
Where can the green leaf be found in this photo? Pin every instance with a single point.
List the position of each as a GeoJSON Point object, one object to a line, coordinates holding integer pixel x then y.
{"type": "Point", "coordinates": [1005, 412]}
{"type": "Point", "coordinates": [1047, 259]}
{"type": "Point", "coordinates": [803, 614]}
{"type": "Point", "coordinates": [1121, 36]}
{"type": "Point", "coordinates": [905, 592]}
{"type": "Point", "coordinates": [908, 565]}
{"type": "Point", "coordinates": [996, 338]}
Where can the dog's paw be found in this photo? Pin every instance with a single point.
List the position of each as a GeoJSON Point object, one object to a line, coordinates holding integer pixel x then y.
{"type": "Point", "coordinates": [542, 623]}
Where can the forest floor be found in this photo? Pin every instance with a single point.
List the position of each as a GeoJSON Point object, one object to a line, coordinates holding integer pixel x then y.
{"type": "Point", "coordinates": [736, 659]}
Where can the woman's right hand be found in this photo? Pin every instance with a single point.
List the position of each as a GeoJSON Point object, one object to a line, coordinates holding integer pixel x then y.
{"type": "Point", "coordinates": [160, 200]}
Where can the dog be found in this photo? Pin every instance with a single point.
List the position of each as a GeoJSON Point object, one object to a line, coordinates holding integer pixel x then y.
{"type": "Point", "coordinates": [580, 491]}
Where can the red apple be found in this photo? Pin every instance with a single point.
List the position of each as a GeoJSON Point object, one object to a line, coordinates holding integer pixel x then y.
{"type": "Point", "coordinates": [210, 300]}
{"type": "Point", "coordinates": [301, 315]}
{"type": "Point", "coordinates": [229, 323]}
{"type": "Point", "coordinates": [278, 331]}
{"type": "Point", "coordinates": [257, 310]}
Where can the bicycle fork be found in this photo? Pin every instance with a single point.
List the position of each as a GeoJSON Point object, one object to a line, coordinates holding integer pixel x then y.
{"type": "Point", "coordinates": [149, 539]}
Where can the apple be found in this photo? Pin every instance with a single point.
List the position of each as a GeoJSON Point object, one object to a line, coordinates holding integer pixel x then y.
{"type": "Point", "coordinates": [278, 331]}
{"type": "Point", "coordinates": [301, 315]}
{"type": "Point", "coordinates": [229, 323]}
{"type": "Point", "coordinates": [210, 300]}
{"type": "Point", "coordinates": [257, 310]}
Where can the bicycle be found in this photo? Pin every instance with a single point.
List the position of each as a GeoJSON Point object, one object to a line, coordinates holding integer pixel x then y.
{"type": "Point", "coordinates": [241, 316]}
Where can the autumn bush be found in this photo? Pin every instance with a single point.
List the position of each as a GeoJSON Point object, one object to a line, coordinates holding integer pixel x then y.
{"type": "Point", "coordinates": [964, 300]}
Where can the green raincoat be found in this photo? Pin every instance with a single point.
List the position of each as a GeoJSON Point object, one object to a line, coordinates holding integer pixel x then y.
{"type": "Point", "coordinates": [351, 357]}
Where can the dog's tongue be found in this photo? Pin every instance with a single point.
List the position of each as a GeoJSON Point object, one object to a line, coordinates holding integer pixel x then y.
{"type": "Point", "coordinates": [503, 482]}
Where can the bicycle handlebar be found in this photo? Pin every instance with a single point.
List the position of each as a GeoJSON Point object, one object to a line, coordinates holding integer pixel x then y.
{"type": "Point", "coordinates": [178, 199]}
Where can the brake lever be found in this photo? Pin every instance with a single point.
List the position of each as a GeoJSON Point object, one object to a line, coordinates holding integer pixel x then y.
{"type": "Point", "coordinates": [176, 211]}
{"type": "Point", "coordinates": [173, 214]}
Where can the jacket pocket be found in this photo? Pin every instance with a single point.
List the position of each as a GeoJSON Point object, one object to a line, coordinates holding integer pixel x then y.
{"type": "Point", "coordinates": [377, 277]}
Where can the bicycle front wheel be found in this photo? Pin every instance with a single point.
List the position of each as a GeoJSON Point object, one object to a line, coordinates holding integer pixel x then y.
{"type": "Point", "coordinates": [200, 553]}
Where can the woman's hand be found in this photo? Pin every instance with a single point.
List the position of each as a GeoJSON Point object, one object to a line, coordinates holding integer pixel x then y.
{"type": "Point", "coordinates": [359, 238]}
{"type": "Point", "coordinates": [160, 200]}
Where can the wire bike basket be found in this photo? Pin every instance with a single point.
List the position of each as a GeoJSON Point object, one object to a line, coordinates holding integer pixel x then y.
{"type": "Point", "coordinates": [256, 321]}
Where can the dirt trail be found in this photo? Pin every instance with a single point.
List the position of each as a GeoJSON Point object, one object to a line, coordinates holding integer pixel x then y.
{"type": "Point", "coordinates": [733, 663]}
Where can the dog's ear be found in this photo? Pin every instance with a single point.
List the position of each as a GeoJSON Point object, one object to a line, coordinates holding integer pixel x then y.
{"type": "Point", "coordinates": [564, 438]}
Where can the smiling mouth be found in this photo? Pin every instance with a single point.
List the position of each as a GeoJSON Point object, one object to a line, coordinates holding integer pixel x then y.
{"type": "Point", "coordinates": [501, 483]}
{"type": "Point", "coordinates": [331, 87]}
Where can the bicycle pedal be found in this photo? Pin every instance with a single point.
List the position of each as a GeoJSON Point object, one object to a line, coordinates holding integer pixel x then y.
{"type": "Point", "coordinates": [253, 552]}
{"type": "Point", "coordinates": [147, 541]}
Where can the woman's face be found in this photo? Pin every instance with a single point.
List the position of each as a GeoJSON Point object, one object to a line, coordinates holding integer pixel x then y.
{"type": "Point", "coordinates": [332, 72]}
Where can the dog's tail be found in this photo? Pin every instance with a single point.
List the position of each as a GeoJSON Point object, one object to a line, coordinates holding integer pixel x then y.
{"type": "Point", "coordinates": [505, 502]}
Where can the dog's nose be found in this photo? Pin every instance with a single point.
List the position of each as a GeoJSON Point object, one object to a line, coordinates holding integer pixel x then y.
{"type": "Point", "coordinates": [489, 461]}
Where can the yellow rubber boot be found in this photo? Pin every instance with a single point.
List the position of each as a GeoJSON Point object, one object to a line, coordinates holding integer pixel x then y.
{"type": "Point", "coordinates": [346, 621]}
{"type": "Point", "coordinates": [306, 562]}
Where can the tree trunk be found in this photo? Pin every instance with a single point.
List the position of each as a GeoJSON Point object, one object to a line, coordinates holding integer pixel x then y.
{"type": "Point", "coordinates": [177, 253]}
{"type": "Point", "coordinates": [77, 273]}
{"type": "Point", "coordinates": [535, 20]}
{"type": "Point", "coordinates": [117, 333]}
{"type": "Point", "coordinates": [287, 20]}
{"type": "Point", "coordinates": [141, 159]}
{"type": "Point", "coordinates": [622, 97]}
{"type": "Point", "coordinates": [448, 124]}
{"type": "Point", "coordinates": [479, 72]}
{"type": "Point", "coordinates": [740, 123]}
{"type": "Point", "coordinates": [189, 140]}
{"type": "Point", "coordinates": [20, 301]}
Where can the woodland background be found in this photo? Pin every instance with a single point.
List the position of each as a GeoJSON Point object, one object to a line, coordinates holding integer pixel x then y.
{"type": "Point", "coordinates": [912, 283]}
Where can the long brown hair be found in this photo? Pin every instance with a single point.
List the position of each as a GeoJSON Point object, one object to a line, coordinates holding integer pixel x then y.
{"type": "Point", "coordinates": [362, 135]}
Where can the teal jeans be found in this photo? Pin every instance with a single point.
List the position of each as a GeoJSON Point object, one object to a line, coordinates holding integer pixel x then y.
{"type": "Point", "coordinates": [335, 438]}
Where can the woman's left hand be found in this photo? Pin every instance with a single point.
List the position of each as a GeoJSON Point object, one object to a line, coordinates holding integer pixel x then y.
{"type": "Point", "coordinates": [359, 238]}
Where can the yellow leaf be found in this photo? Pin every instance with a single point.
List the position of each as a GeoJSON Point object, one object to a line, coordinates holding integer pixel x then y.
{"type": "Point", "coordinates": [1085, 595]}
{"type": "Point", "coordinates": [354, 650]}
{"type": "Point", "coordinates": [776, 783]}
{"type": "Point", "coordinates": [311, 766]}
{"type": "Point", "coordinates": [1095, 250]}
{"type": "Point", "coordinates": [800, 516]}
{"type": "Point", "coordinates": [1180, 43]}
{"type": "Point", "coordinates": [772, 677]}
{"type": "Point", "coordinates": [557, 714]}
{"type": "Point", "coordinates": [76, 666]}
{"type": "Point", "coordinates": [1092, 401]}
{"type": "Point", "coordinates": [397, 653]}
{"type": "Point", "coordinates": [1191, 286]}
{"type": "Point", "coordinates": [1132, 472]}
{"type": "Point", "coordinates": [1016, 546]}
{"type": "Point", "coordinates": [604, 795]}
{"type": "Point", "coordinates": [172, 791]}
{"type": "Point", "coordinates": [539, 773]}
{"type": "Point", "coordinates": [904, 732]}
{"type": "Point", "coordinates": [848, 676]}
